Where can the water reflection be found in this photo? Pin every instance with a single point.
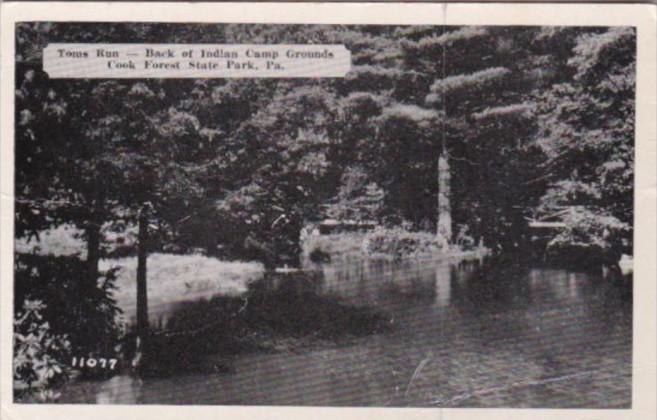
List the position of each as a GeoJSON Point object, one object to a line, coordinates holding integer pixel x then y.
{"type": "Point", "coordinates": [383, 283]}
{"type": "Point", "coordinates": [121, 389]}
{"type": "Point", "coordinates": [493, 334]}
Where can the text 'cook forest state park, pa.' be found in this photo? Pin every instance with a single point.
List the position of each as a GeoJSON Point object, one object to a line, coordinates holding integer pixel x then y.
{"type": "Point", "coordinates": [448, 224]}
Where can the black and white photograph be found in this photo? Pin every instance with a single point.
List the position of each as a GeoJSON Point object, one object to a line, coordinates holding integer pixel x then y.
{"type": "Point", "coordinates": [444, 219]}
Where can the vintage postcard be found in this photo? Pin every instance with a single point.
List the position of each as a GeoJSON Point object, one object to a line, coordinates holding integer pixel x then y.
{"type": "Point", "coordinates": [335, 210]}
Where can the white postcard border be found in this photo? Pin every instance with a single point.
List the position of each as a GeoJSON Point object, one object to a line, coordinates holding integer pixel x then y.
{"type": "Point", "coordinates": [644, 17]}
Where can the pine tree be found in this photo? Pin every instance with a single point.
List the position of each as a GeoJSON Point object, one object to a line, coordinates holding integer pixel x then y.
{"type": "Point", "coordinates": [478, 79]}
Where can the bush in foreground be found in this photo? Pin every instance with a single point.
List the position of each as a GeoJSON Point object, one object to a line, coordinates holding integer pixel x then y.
{"type": "Point", "coordinates": [58, 315]}
{"type": "Point", "coordinates": [39, 353]}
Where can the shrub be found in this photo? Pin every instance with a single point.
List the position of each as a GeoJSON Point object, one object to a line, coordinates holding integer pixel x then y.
{"type": "Point", "coordinates": [59, 314]}
{"type": "Point", "coordinates": [399, 243]}
{"type": "Point", "coordinates": [39, 353]}
{"type": "Point", "coordinates": [593, 233]}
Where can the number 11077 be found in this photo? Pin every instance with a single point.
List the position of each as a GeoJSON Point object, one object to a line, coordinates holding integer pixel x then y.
{"type": "Point", "coordinates": [91, 362]}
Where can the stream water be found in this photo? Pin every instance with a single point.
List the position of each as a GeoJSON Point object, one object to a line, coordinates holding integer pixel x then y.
{"type": "Point", "coordinates": [492, 334]}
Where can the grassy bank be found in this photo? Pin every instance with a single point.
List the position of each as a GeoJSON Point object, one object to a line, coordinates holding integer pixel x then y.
{"type": "Point", "coordinates": [178, 278]}
{"type": "Point", "coordinates": [172, 278]}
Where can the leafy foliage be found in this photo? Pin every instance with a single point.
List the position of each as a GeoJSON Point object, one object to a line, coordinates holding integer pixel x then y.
{"type": "Point", "coordinates": [587, 132]}
{"type": "Point", "coordinates": [541, 98]}
{"type": "Point", "coordinates": [39, 354]}
{"type": "Point", "coordinates": [62, 313]}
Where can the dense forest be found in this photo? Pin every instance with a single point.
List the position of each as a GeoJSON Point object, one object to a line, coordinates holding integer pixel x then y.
{"type": "Point", "coordinates": [531, 120]}
{"type": "Point", "coordinates": [528, 122]}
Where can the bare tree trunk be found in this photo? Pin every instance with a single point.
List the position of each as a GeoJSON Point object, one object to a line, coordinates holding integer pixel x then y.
{"type": "Point", "coordinates": [444, 217]}
{"type": "Point", "coordinates": [142, 297]}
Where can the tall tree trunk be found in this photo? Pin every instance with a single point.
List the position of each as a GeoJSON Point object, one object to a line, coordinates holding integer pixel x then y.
{"type": "Point", "coordinates": [92, 233]}
{"type": "Point", "coordinates": [444, 217]}
{"type": "Point", "coordinates": [89, 283]}
{"type": "Point", "coordinates": [142, 256]}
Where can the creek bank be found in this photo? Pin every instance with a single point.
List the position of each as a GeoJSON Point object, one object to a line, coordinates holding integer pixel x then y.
{"type": "Point", "coordinates": [384, 244]}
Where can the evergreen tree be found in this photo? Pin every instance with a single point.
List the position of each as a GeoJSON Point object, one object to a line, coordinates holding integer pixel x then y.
{"type": "Point", "coordinates": [478, 79]}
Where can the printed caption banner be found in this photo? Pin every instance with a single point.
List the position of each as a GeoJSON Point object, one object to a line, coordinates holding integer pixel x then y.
{"type": "Point", "coordinates": [126, 61]}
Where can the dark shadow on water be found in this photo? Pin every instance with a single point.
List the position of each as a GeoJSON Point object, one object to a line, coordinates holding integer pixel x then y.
{"type": "Point", "coordinates": [278, 308]}
{"type": "Point", "coordinates": [504, 282]}
{"type": "Point", "coordinates": [495, 286]}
